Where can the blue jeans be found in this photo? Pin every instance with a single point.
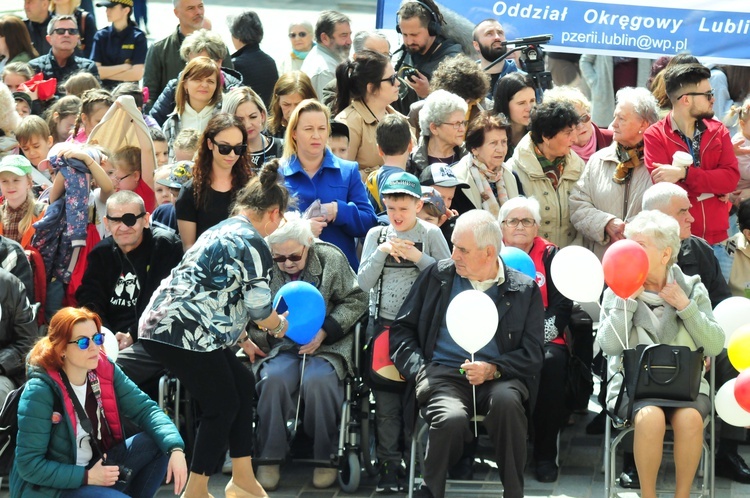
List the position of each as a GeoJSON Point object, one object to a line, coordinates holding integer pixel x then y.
{"type": "Point", "coordinates": [144, 458]}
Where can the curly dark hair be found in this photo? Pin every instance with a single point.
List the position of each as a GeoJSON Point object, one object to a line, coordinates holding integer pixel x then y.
{"type": "Point", "coordinates": [204, 161]}
{"type": "Point", "coordinates": [550, 118]}
{"type": "Point", "coordinates": [462, 76]}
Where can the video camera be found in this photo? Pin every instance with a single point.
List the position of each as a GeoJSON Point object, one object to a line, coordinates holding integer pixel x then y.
{"type": "Point", "coordinates": [532, 58]}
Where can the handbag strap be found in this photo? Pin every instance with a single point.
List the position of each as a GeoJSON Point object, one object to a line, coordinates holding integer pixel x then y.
{"type": "Point", "coordinates": [83, 418]}
{"type": "Point", "coordinates": [379, 284]}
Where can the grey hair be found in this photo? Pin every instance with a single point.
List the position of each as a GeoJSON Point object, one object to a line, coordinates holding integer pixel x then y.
{"type": "Point", "coordinates": [484, 226]}
{"type": "Point", "coordinates": [246, 27]}
{"type": "Point", "coordinates": [203, 39]}
{"type": "Point", "coordinates": [521, 202]}
{"type": "Point", "coordinates": [643, 102]}
{"type": "Point", "coordinates": [659, 195]}
{"type": "Point", "coordinates": [663, 230]}
{"type": "Point", "coordinates": [570, 94]}
{"type": "Point", "coordinates": [327, 22]}
{"type": "Point", "coordinates": [295, 228]}
{"type": "Point", "coordinates": [304, 23]}
{"type": "Point", "coordinates": [57, 19]}
{"type": "Point", "coordinates": [438, 106]}
{"type": "Point", "coordinates": [123, 197]}
{"type": "Point", "coordinates": [358, 43]}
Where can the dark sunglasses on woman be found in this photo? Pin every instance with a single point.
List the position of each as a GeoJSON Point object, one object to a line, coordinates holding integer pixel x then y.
{"type": "Point", "coordinates": [85, 342]}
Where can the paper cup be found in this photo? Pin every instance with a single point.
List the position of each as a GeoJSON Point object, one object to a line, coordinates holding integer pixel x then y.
{"type": "Point", "coordinates": [682, 159]}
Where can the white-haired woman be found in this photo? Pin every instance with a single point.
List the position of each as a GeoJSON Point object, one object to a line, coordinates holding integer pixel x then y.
{"type": "Point", "coordinates": [670, 308]}
{"type": "Point", "coordinates": [443, 126]}
{"type": "Point", "coordinates": [519, 220]}
{"type": "Point", "coordinates": [277, 362]}
{"type": "Point", "coordinates": [300, 34]}
{"type": "Point", "coordinates": [609, 192]}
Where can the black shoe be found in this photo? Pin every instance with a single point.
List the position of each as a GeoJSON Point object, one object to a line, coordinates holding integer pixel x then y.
{"type": "Point", "coordinates": [388, 480]}
{"type": "Point", "coordinates": [463, 470]}
{"type": "Point", "coordinates": [546, 471]}
{"type": "Point", "coordinates": [629, 478]}
{"type": "Point", "coordinates": [596, 426]}
{"type": "Point", "coordinates": [732, 466]}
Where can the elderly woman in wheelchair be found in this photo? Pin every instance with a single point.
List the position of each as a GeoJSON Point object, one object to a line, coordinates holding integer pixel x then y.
{"type": "Point", "coordinates": [277, 363]}
{"type": "Point", "coordinates": [670, 308]}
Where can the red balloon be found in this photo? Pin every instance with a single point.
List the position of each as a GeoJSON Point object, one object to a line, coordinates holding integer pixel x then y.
{"type": "Point", "coordinates": [625, 267]}
{"type": "Point", "coordinates": [742, 389]}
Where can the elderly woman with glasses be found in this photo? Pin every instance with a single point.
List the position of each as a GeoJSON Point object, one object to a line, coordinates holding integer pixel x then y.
{"type": "Point", "coordinates": [277, 363]}
{"type": "Point", "coordinates": [609, 191]}
{"type": "Point", "coordinates": [442, 123]}
{"type": "Point", "coordinates": [301, 37]}
{"type": "Point", "coordinates": [519, 220]}
{"type": "Point", "coordinates": [547, 168]}
{"type": "Point", "coordinates": [490, 182]}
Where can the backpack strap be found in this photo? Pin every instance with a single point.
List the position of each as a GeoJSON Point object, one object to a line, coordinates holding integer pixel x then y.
{"type": "Point", "coordinates": [379, 284]}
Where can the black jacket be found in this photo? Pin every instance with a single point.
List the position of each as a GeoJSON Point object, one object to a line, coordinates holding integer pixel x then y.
{"type": "Point", "coordinates": [38, 34]}
{"type": "Point", "coordinates": [48, 66]}
{"type": "Point", "coordinates": [696, 257]}
{"type": "Point", "coordinates": [165, 104]}
{"type": "Point", "coordinates": [13, 259]}
{"type": "Point", "coordinates": [258, 70]}
{"type": "Point", "coordinates": [106, 262]}
{"type": "Point", "coordinates": [520, 332]}
{"type": "Point", "coordinates": [18, 329]}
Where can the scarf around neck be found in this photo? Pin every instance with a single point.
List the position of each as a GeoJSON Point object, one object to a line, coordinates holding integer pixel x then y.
{"type": "Point", "coordinates": [630, 158]}
{"type": "Point", "coordinates": [482, 177]}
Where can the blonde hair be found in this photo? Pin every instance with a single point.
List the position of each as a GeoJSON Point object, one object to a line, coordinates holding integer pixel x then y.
{"type": "Point", "coordinates": [78, 83]}
{"type": "Point", "coordinates": [738, 113]}
{"type": "Point", "coordinates": [309, 105]}
{"type": "Point", "coordinates": [28, 215]}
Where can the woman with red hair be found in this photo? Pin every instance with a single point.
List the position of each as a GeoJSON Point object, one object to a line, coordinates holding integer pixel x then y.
{"type": "Point", "coordinates": [71, 439]}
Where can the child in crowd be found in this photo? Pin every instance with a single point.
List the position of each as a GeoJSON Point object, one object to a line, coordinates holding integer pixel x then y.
{"type": "Point", "coordinates": [740, 115]}
{"type": "Point", "coordinates": [338, 141]}
{"type": "Point", "coordinates": [78, 83]}
{"type": "Point", "coordinates": [186, 145]}
{"type": "Point", "coordinates": [161, 147]}
{"type": "Point", "coordinates": [94, 105]}
{"type": "Point", "coordinates": [19, 209]}
{"type": "Point", "coordinates": [35, 142]}
{"type": "Point", "coordinates": [433, 207]}
{"type": "Point", "coordinates": [179, 174]}
{"type": "Point", "coordinates": [440, 176]}
{"type": "Point", "coordinates": [61, 117]}
{"type": "Point", "coordinates": [392, 258]}
{"type": "Point", "coordinates": [130, 170]}
{"type": "Point", "coordinates": [393, 137]}
{"type": "Point", "coordinates": [163, 195]}
{"type": "Point", "coordinates": [23, 103]}
{"type": "Point", "coordinates": [15, 74]}
{"type": "Point", "coordinates": [136, 92]}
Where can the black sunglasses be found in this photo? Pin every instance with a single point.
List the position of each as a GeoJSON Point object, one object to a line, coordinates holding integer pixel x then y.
{"type": "Point", "coordinates": [391, 79]}
{"type": "Point", "coordinates": [62, 31]}
{"type": "Point", "coordinates": [127, 219]}
{"type": "Point", "coordinates": [301, 34]}
{"type": "Point", "coordinates": [293, 258]}
{"type": "Point", "coordinates": [225, 149]}
{"type": "Point", "coordinates": [85, 342]}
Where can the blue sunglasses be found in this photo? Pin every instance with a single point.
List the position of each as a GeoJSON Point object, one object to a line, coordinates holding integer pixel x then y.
{"type": "Point", "coordinates": [85, 342]}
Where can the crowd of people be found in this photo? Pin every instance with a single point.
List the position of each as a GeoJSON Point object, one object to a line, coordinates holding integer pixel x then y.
{"type": "Point", "coordinates": [167, 191]}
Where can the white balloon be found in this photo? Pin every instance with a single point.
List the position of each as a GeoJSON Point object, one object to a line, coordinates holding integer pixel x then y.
{"type": "Point", "coordinates": [732, 313]}
{"type": "Point", "coordinates": [472, 320]}
{"type": "Point", "coordinates": [727, 407]}
{"type": "Point", "coordinates": [578, 274]}
{"type": "Point", "coordinates": [111, 347]}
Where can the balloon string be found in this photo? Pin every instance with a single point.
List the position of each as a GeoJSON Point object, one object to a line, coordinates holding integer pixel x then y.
{"type": "Point", "coordinates": [474, 395]}
{"type": "Point", "coordinates": [299, 394]}
{"type": "Point", "coordinates": [624, 344]}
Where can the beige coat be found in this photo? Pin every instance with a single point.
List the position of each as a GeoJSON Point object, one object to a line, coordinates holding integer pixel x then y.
{"type": "Point", "coordinates": [739, 278]}
{"type": "Point", "coordinates": [462, 171]}
{"type": "Point", "coordinates": [556, 226]}
{"type": "Point", "coordinates": [363, 146]}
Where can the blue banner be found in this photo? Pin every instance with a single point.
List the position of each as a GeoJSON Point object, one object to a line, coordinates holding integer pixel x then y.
{"type": "Point", "coordinates": [610, 28]}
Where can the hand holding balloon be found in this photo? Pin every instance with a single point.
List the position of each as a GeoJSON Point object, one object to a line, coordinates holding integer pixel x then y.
{"type": "Point", "coordinates": [306, 310]}
{"type": "Point", "coordinates": [314, 344]}
{"type": "Point", "coordinates": [478, 372]}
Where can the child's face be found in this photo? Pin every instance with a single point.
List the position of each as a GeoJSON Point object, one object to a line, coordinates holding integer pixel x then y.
{"type": "Point", "coordinates": [422, 215]}
{"type": "Point", "coordinates": [14, 188]}
{"type": "Point", "coordinates": [339, 146]}
{"type": "Point", "coordinates": [174, 193]}
{"type": "Point", "coordinates": [163, 195]}
{"type": "Point", "coordinates": [745, 127]}
{"type": "Point", "coordinates": [183, 155]}
{"type": "Point", "coordinates": [447, 193]}
{"type": "Point", "coordinates": [65, 126]}
{"type": "Point", "coordinates": [122, 179]}
{"type": "Point", "coordinates": [22, 108]}
{"type": "Point", "coordinates": [12, 80]}
{"type": "Point", "coordinates": [90, 121]}
{"type": "Point", "coordinates": [36, 149]}
{"type": "Point", "coordinates": [402, 211]}
{"type": "Point", "coordinates": [162, 152]}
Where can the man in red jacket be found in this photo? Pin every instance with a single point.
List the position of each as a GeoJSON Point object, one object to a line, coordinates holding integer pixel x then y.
{"type": "Point", "coordinates": [690, 128]}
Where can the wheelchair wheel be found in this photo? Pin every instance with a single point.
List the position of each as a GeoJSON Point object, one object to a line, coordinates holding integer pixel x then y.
{"type": "Point", "coordinates": [368, 439]}
{"type": "Point", "coordinates": [350, 473]}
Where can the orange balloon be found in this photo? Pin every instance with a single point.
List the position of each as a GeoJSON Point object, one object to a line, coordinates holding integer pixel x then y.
{"type": "Point", "coordinates": [625, 266]}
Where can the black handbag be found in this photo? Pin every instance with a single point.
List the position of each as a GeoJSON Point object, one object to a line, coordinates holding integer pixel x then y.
{"type": "Point", "coordinates": [661, 371]}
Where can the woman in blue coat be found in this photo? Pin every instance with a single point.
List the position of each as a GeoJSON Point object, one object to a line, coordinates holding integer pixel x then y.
{"type": "Point", "coordinates": [62, 454]}
{"type": "Point", "coordinates": [314, 175]}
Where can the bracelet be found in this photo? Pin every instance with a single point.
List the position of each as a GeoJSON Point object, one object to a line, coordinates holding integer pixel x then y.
{"type": "Point", "coordinates": [243, 340]}
{"type": "Point", "coordinates": [178, 449]}
{"type": "Point", "coordinates": [277, 329]}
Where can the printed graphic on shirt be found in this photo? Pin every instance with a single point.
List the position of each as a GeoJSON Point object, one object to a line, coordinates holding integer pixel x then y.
{"type": "Point", "coordinates": [127, 290]}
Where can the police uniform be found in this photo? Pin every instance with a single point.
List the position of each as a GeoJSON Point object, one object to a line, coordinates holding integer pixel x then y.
{"type": "Point", "coordinates": [112, 47]}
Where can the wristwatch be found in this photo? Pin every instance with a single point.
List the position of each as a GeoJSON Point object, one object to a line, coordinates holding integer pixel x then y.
{"type": "Point", "coordinates": [497, 374]}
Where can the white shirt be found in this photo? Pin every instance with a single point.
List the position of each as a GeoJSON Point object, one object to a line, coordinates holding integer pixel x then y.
{"type": "Point", "coordinates": [84, 452]}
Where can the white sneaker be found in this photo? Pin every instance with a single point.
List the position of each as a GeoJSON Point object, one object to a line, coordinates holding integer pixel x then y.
{"type": "Point", "coordinates": [268, 477]}
{"type": "Point", "coordinates": [324, 477]}
{"type": "Point", "coordinates": [226, 469]}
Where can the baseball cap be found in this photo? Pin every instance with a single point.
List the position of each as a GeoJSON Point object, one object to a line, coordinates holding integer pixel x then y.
{"type": "Point", "coordinates": [432, 196]}
{"type": "Point", "coordinates": [18, 165]}
{"type": "Point", "coordinates": [22, 96]}
{"type": "Point", "coordinates": [402, 183]}
{"type": "Point", "coordinates": [112, 3]}
{"type": "Point", "coordinates": [179, 175]}
{"type": "Point", "coordinates": [339, 129]}
{"type": "Point", "coordinates": [442, 175]}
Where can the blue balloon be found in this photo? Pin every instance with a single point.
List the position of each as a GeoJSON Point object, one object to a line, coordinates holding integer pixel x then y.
{"type": "Point", "coordinates": [306, 307]}
{"type": "Point", "coordinates": [518, 260]}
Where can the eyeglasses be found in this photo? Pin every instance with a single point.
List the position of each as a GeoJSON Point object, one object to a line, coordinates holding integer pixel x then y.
{"type": "Point", "coordinates": [292, 257]}
{"type": "Point", "coordinates": [225, 149]}
{"type": "Point", "coordinates": [301, 34]}
{"type": "Point", "coordinates": [85, 342]}
{"type": "Point", "coordinates": [709, 94]}
{"type": "Point", "coordinates": [584, 119]}
{"type": "Point", "coordinates": [127, 219]}
{"type": "Point", "coordinates": [526, 222]}
{"type": "Point", "coordinates": [458, 124]}
{"type": "Point", "coordinates": [62, 31]}
{"type": "Point", "coordinates": [118, 180]}
{"type": "Point", "coordinates": [391, 79]}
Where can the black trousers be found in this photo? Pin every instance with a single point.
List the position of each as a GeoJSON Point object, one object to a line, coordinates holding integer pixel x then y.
{"type": "Point", "coordinates": [550, 414]}
{"type": "Point", "coordinates": [225, 389]}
